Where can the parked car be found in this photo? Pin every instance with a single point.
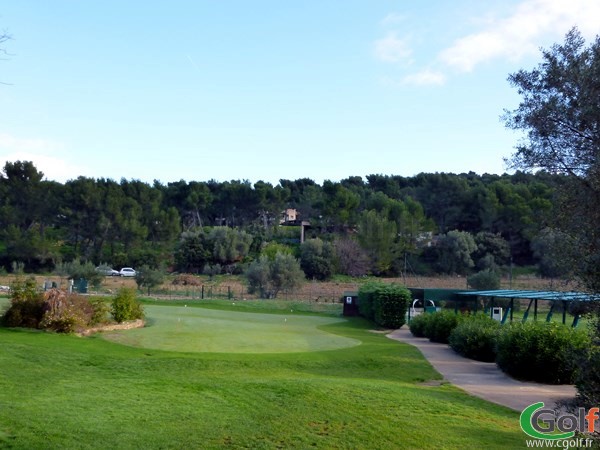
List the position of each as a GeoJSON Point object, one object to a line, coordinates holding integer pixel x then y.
{"type": "Point", "coordinates": [107, 271]}
{"type": "Point", "coordinates": [127, 272]}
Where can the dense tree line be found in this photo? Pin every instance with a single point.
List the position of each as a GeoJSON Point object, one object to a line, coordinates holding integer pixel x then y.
{"type": "Point", "coordinates": [365, 225]}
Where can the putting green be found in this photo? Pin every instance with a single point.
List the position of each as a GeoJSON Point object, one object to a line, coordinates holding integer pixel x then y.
{"type": "Point", "coordinates": [183, 329]}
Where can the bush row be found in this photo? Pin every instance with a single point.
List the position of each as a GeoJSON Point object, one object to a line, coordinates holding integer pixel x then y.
{"type": "Point", "coordinates": [384, 304]}
{"type": "Point", "coordinates": [65, 312]}
{"type": "Point", "coordinates": [536, 351]}
{"type": "Point", "coordinates": [437, 326]}
{"type": "Point", "coordinates": [475, 338]}
{"type": "Point", "coordinates": [541, 351]}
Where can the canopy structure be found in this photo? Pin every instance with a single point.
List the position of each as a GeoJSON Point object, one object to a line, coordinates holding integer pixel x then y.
{"type": "Point", "coordinates": [555, 297]}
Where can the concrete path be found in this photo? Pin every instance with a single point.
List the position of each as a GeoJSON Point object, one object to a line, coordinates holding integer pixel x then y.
{"type": "Point", "coordinates": [482, 379]}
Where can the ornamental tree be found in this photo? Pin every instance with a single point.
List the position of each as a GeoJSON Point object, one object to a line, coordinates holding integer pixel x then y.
{"type": "Point", "coordinates": [560, 114]}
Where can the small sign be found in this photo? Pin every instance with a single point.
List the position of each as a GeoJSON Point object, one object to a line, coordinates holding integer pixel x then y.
{"type": "Point", "coordinates": [348, 300]}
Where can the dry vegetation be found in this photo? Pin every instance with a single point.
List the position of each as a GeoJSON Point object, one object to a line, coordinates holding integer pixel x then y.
{"type": "Point", "coordinates": [325, 291]}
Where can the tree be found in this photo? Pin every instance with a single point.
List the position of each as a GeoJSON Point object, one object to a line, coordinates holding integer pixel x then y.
{"type": "Point", "coordinates": [350, 258]}
{"type": "Point", "coordinates": [77, 270]}
{"type": "Point", "coordinates": [27, 210]}
{"type": "Point", "coordinates": [4, 36]}
{"type": "Point", "coordinates": [149, 278]}
{"type": "Point", "coordinates": [270, 276]}
{"type": "Point", "coordinates": [455, 252]}
{"type": "Point", "coordinates": [560, 109]}
{"type": "Point", "coordinates": [338, 204]}
{"type": "Point", "coordinates": [316, 259]}
{"type": "Point", "coordinates": [228, 245]}
{"type": "Point", "coordinates": [553, 250]}
{"type": "Point", "coordinates": [258, 275]}
{"type": "Point", "coordinates": [377, 236]}
{"type": "Point", "coordinates": [408, 215]}
{"type": "Point", "coordinates": [485, 280]}
{"type": "Point", "coordinates": [192, 251]}
{"type": "Point", "coordinates": [560, 112]}
{"type": "Point", "coordinates": [492, 251]}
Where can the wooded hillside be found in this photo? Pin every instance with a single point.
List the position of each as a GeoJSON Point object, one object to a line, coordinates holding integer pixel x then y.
{"type": "Point", "coordinates": [383, 220]}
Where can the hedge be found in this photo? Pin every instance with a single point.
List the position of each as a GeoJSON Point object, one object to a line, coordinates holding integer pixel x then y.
{"type": "Point", "coordinates": [366, 295]}
{"type": "Point", "coordinates": [541, 351]}
{"type": "Point", "coordinates": [384, 304]}
{"type": "Point", "coordinates": [475, 337]}
{"type": "Point", "coordinates": [418, 325]}
{"type": "Point", "coordinates": [440, 325]}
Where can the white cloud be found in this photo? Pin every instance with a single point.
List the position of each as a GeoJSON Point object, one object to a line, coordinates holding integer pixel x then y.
{"type": "Point", "coordinates": [522, 32]}
{"type": "Point", "coordinates": [392, 49]}
{"type": "Point", "coordinates": [518, 33]}
{"type": "Point", "coordinates": [44, 155]}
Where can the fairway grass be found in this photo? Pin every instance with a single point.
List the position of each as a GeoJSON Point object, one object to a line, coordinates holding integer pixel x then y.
{"type": "Point", "coordinates": [59, 391]}
{"type": "Point", "coordinates": [192, 329]}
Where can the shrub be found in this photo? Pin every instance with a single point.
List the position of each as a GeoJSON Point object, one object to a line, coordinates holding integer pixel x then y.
{"type": "Point", "coordinates": [475, 337]}
{"type": "Point", "coordinates": [213, 270]}
{"type": "Point", "coordinates": [272, 249]}
{"type": "Point", "coordinates": [384, 304]}
{"type": "Point", "coordinates": [440, 325]}
{"type": "Point", "coordinates": [540, 351]}
{"type": "Point", "coordinates": [316, 259]}
{"type": "Point", "coordinates": [26, 305]}
{"type": "Point", "coordinates": [389, 307]}
{"type": "Point", "coordinates": [149, 278]}
{"type": "Point", "coordinates": [484, 280]}
{"type": "Point", "coordinates": [64, 312]}
{"type": "Point", "coordinates": [418, 325]}
{"type": "Point", "coordinates": [366, 299]}
{"type": "Point", "coordinates": [54, 310]}
{"type": "Point", "coordinates": [269, 276]}
{"type": "Point", "coordinates": [100, 311]}
{"type": "Point", "coordinates": [186, 280]}
{"type": "Point", "coordinates": [125, 306]}
{"type": "Point", "coordinates": [587, 380]}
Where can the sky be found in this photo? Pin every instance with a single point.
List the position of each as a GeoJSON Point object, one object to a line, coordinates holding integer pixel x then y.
{"type": "Point", "coordinates": [269, 89]}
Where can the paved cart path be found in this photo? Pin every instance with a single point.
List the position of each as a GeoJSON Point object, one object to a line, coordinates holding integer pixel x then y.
{"type": "Point", "coordinates": [482, 379]}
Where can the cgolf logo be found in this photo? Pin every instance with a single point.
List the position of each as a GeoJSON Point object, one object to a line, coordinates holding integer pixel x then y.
{"type": "Point", "coordinates": [543, 423]}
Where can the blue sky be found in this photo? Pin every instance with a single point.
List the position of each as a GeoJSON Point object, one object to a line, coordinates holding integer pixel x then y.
{"type": "Point", "coordinates": [265, 90]}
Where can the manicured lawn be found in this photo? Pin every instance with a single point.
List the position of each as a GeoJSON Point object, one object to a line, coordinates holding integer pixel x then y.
{"type": "Point", "coordinates": [191, 329]}
{"type": "Point", "coordinates": [68, 392]}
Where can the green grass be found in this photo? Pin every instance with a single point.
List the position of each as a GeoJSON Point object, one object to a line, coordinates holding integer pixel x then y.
{"type": "Point", "coordinates": [193, 329]}
{"type": "Point", "coordinates": [265, 306]}
{"type": "Point", "coordinates": [60, 391]}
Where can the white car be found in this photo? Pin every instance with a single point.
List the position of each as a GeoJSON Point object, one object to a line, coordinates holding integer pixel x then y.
{"type": "Point", "coordinates": [127, 272]}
